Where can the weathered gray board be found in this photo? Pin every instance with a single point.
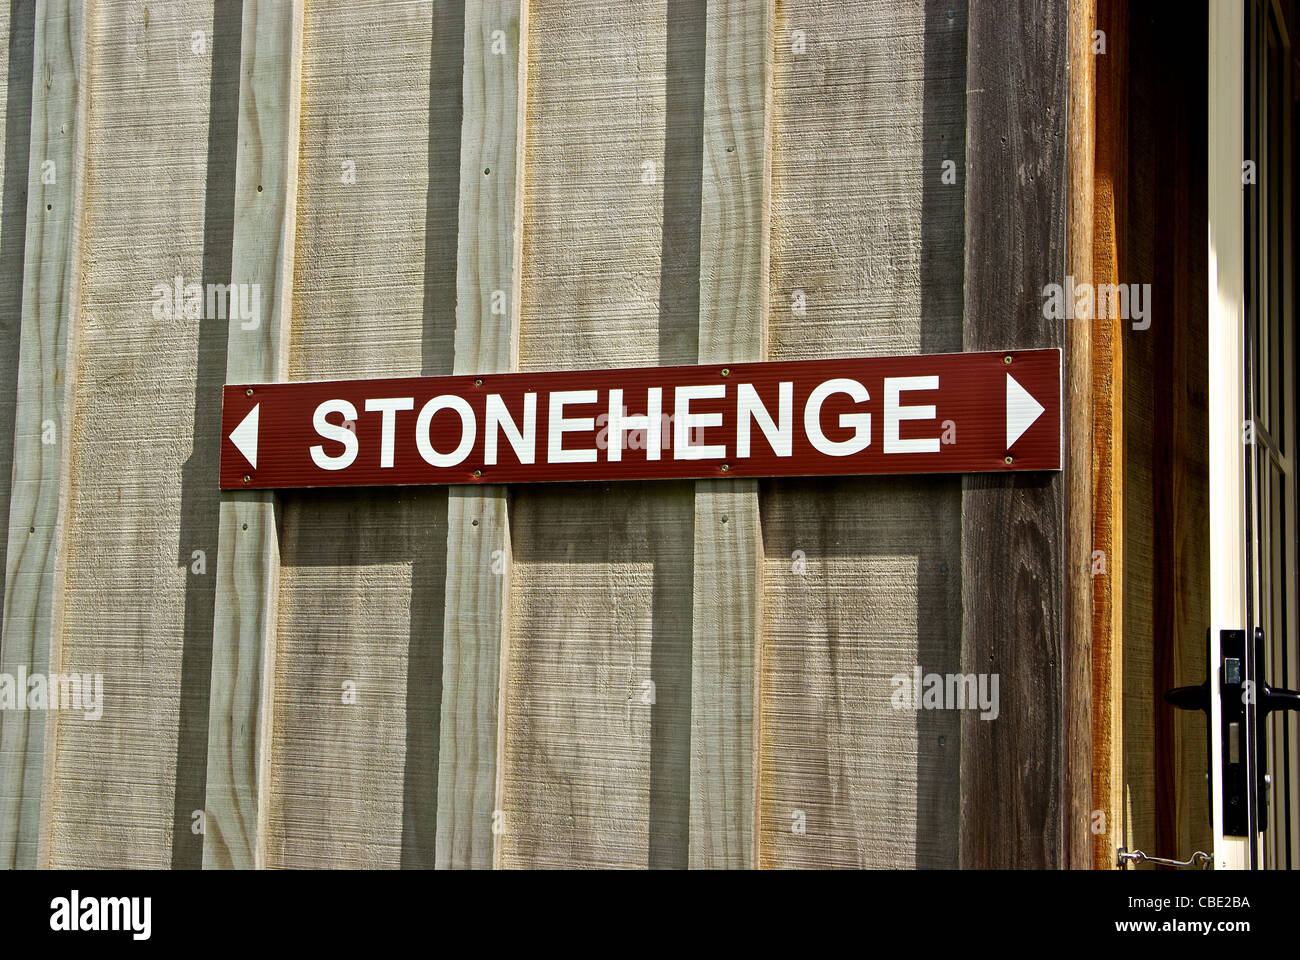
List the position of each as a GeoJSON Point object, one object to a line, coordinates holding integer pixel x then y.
{"type": "Point", "coordinates": [476, 614]}
{"type": "Point", "coordinates": [735, 234]}
{"type": "Point", "coordinates": [35, 558]}
{"type": "Point", "coordinates": [1018, 787]}
{"type": "Point", "coordinates": [363, 578]}
{"type": "Point", "coordinates": [160, 164]}
{"type": "Point", "coordinates": [863, 576]}
{"type": "Point", "coordinates": [860, 578]}
{"type": "Point", "coordinates": [242, 692]}
{"type": "Point", "coordinates": [16, 27]}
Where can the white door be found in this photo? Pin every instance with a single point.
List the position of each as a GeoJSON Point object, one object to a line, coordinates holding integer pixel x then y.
{"type": "Point", "coordinates": [1253, 648]}
{"type": "Point", "coordinates": [1270, 398]}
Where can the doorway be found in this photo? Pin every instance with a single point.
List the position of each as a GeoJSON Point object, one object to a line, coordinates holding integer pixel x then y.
{"type": "Point", "coordinates": [1209, 433]}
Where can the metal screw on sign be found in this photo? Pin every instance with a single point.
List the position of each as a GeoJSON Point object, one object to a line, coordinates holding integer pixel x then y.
{"type": "Point", "coordinates": [247, 478]}
{"type": "Point", "coordinates": [725, 467]}
{"type": "Point", "coordinates": [478, 473]}
{"type": "Point", "coordinates": [1007, 460]}
{"type": "Point", "coordinates": [1007, 358]}
{"type": "Point", "coordinates": [248, 392]}
{"type": "Point", "coordinates": [726, 372]}
{"type": "Point", "coordinates": [478, 382]}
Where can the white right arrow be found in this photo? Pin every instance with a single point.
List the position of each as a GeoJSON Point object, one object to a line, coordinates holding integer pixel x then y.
{"type": "Point", "coordinates": [244, 436]}
{"type": "Point", "coordinates": [1022, 410]}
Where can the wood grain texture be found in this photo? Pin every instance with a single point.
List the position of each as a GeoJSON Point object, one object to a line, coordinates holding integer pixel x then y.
{"type": "Point", "coordinates": [1079, 399]}
{"type": "Point", "coordinates": [487, 341]}
{"type": "Point", "coordinates": [861, 576]}
{"type": "Point", "coordinates": [248, 559]}
{"type": "Point", "coordinates": [140, 496]}
{"type": "Point", "coordinates": [17, 26]}
{"type": "Point", "coordinates": [354, 782]}
{"type": "Point", "coordinates": [1166, 457]}
{"type": "Point", "coordinates": [1015, 794]}
{"type": "Point", "coordinates": [734, 239]}
{"type": "Point", "coordinates": [597, 741]}
{"type": "Point", "coordinates": [46, 382]}
{"type": "Point", "coordinates": [1181, 465]}
{"type": "Point", "coordinates": [1141, 699]}
{"type": "Point", "coordinates": [862, 584]}
{"type": "Point", "coordinates": [1108, 252]}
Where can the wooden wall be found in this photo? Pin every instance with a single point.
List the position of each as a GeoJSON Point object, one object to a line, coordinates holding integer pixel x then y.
{"type": "Point", "coordinates": [684, 193]}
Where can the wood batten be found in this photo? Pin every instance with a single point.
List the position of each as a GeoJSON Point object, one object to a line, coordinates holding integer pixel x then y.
{"type": "Point", "coordinates": [248, 559]}
{"type": "Point", "coordinates": [1107, 568]}
{"type": "Point", "coordinates": [43, 421]}
{"type": "Point", "coordinates": [726, 608]}
{"type": "Point", "coordinates": [1078, 443]}
{"type": "Point", "coordinates": [470, 815]}
{"type": "Point", "coordinates": [1014, 780]}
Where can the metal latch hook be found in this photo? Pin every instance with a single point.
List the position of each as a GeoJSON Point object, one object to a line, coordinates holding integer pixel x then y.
{"type": "Point", "coordinates": [1199, 860]}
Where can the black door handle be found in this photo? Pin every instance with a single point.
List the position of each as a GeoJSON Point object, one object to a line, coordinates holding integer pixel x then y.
{"type": "Point", "coordinates": [1190, 698]}
{"type": "Point", "coordinates": [1271, 699]}
{"type": "Point", "coordinates": [1235, 693]}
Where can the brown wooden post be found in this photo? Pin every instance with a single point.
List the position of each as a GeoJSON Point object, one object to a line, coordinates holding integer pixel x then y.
{"type": "Point", "coordinates": [1078, 443]}
{"type": "Point", "coordinates": [1110, 195]}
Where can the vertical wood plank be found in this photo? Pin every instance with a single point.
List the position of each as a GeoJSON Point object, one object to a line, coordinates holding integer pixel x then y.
{"type": "Point", "coordinates": [248, 559]}
{"type": "Point", "coordinates": [46, 381]}
{"type": "Point", "coordinates": [735, 210]}
{"type": "Point", "coordinates": [18, 27]}
{"type": "Point", "coordinates": [478, 527]}
{"type": "Point", "coordinates": [1109, 225]}
{"type": "Point", "coordinates": [1013, 770]}
{"type": "Point", "coordinates": [597, 759]}
{"type": "Point", "coordinates": [358, 670]}
{"type": "Point", "coordinates": [1077, 754]}
{"type": "Point", "coordinates": [862, 581]}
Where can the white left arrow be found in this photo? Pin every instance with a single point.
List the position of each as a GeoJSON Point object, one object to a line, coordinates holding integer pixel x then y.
{"type": "Point", "coordinates": [244, 436]}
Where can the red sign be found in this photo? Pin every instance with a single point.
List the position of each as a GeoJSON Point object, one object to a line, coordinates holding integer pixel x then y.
{"type": "Point", "coordinates": [946, 413]}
